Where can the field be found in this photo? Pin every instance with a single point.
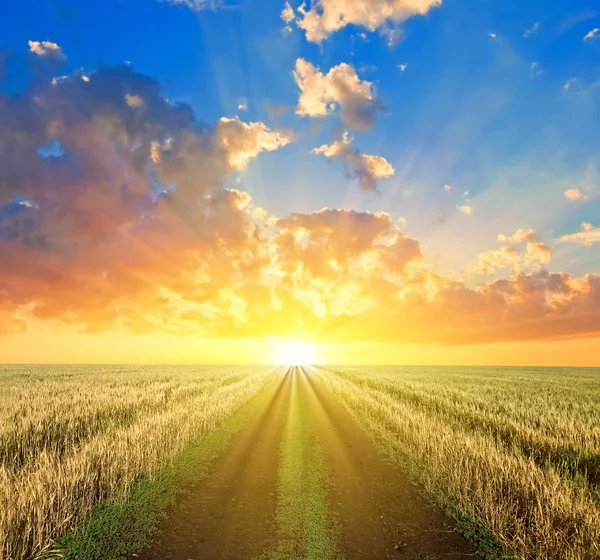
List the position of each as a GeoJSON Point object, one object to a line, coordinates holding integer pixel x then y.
{"type": "Point", "coordinates": [511, 454]}
{"type": "Point", "coordinates": [72, 437]}
{"type": "Point", "coordinates": [516, 449]}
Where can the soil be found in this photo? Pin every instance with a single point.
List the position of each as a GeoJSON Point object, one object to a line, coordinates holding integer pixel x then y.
{"type": "Point", "coordinates": [377, 512]}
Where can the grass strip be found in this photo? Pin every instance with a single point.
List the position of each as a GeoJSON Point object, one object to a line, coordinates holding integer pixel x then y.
{"type": "Point", "coordinates": [304, 525]}
{"type": "Point", "coordinates": [115, 530]}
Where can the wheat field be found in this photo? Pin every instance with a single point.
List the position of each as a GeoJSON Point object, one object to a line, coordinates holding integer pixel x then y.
{"type": "Point", "coordinates": [516, 449]}
{"type": "Point", "coordinates": [74, 436]}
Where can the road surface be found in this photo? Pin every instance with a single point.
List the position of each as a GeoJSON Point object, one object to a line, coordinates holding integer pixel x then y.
{"type": "Point", "coordinates": [300, 480]}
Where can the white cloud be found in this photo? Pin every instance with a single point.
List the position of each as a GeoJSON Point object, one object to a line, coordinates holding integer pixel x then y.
{"type": "Point", "coordinates": [134, 101]}
{"type": "Point", "coordinates": [243, 141]}
{"type": "Point", "coordinates": [402, 67]}
{"type": "Point", "coordinates": [532, 29]}
{"type": "Point", "coordinates": [592, 35]}
{"type": "Point", "coordinates": [587, 236]}
{"type": "Point", "coordinates": [447, 188]}
{"type": "Point", "coordinates": [47, 49]}
{"type": "Point", "coordinates": [465, 209]}
{"type": "Point", "coordinates": [328, 16]}
{"type": "Point", "coordinates": [321, 93]}
{"type": "Point", "coordinates": [59, 79]}
{"type": "Point", "coordinates": [569, 84]}
{"type": "Point", "coordinates": [197, 5]}
{"type": "Point", "coordinates": [535, 69]}
{"type": "Point", "coordinates": [287, 14]}
{"type": "Point", "coordinates": [366, 168]}
{"type": "Point", "coordinates": [493, 35]}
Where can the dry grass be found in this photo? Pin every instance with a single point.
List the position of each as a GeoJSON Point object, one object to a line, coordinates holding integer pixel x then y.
{"type": "Point", "coordinates": [517, 450]}
{"type": "Point", "coordinates": [74, 436]}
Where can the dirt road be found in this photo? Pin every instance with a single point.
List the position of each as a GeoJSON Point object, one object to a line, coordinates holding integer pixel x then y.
{"type": "Point", "coordinates": [301, 480]}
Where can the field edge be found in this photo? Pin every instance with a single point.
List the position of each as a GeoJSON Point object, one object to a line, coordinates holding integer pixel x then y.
{"type": "Point", "coordinates": [116, 530]}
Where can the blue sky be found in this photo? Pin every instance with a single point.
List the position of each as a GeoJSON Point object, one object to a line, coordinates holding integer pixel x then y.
{"type": "Point", "coordinates": [468, 111]}
{"type": "Point", "coordinates": [486, 112]}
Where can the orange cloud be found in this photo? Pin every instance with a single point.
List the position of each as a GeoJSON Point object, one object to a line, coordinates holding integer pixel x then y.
{"type": "Point", "coordinates": [587, 236]}
{"type": "Point", "coordinates": [113, 216]}
{"type": "Point", "coordinates": [521, 250]}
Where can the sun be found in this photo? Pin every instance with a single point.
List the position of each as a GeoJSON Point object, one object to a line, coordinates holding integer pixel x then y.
{"type": "Point", "coordinates": [295, 353]}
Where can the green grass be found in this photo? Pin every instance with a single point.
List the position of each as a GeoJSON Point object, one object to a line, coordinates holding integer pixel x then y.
{"type": "Point", "coordinates": [118, 529]}
{"type": "Point", "coordinates": [305, 527]}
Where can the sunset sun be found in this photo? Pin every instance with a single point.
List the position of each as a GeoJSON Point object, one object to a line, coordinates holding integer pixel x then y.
{"type": "Point", "coordinates": [295, 353]}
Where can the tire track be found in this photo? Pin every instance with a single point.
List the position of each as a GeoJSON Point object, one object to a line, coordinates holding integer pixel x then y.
{"type": "Point", "coordinates": [379, 512]}
{"type": "Point", "coordinates": [231, 512]}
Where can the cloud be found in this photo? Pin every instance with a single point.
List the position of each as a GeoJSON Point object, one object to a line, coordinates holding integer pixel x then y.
{"type": "Point", "coordinates": [585, 192]}
{"type": "Point", "coordinates": [47, 49]}
{"type": "Point", "coordinates": [402, 67]}
{"type": "Point", "coordinates": [127, 199]}
{"type": "Point", "coordinates": [587, 236]}
{"type": "Point", "coordinates": [533, 29]}
{"type": "Point", "coordinates": [116, 218]}
{"type": "Point", "coordinates": [465, 209]}
{"type": "Point", "coordinates": [287, 14]}
{"type": "Point", "coordinates": [569, 84]}
{"type": "Point", "coordinates": [592, 35]}
{"type": "Point", "coordinates": [573, 194]}
{"type": "Point", "coordinates": [519, 236]}
{"type": "Point", "coordinates": [522, 250]}
{"type": "Point", "coordinates": [493, 35]}
{"type": "Point", "coordinates": [320, 94]}
{"type": "Point", "coordinates": [197, 5]}
{"type": "Point", "coordinates": [366, 168]}
{"type": "Point", "coordinates": [534, 67]}
{"type": "Point", "coordinates": [134, 101]}
{"type": "Point", "coordinates": [447, 188]}
{"type": "Point", "coordinates": [325, 17]}
{"type": "Point", "coordinates": [244, 141]}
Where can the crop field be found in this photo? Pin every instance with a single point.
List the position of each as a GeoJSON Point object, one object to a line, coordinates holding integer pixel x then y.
{"type": "Point", "coordinates": [516, 449]}
{"type": "Point", "coordinates": [72, 436]}
{"type": "Point", "coordinates": [322, 462]}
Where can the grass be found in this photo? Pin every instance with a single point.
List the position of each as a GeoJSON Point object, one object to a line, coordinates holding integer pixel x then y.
{"type": "Point", "coordinates": [72, 438]}
{"type": "Point", "coordinates": [511, 453]}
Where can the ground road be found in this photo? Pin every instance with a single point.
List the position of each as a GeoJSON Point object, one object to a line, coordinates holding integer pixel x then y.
{"type": "Point", "coordinates": [300, 480]}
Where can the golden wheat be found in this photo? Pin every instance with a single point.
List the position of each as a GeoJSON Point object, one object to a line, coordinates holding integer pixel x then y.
{"type": "Point", "coordinates": [518, 450]}
{"type": "Point", "coordinates": [74, 436]}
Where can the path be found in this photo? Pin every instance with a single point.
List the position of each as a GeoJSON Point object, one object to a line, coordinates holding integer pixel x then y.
{"type": "Point", "coordinates": [239, 510]}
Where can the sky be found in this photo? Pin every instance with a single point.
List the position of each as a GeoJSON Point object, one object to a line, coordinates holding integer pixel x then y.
{"type": "Point", "coordinates": [383, 181]}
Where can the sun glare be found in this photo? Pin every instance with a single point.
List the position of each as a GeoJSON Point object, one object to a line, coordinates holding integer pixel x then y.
{"type": "Point", "coordinates": [294, 353]}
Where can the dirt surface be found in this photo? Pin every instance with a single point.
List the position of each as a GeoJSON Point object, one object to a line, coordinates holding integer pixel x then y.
{"type": "Point", "coordinates": [377, 513]}
{"type": "Point", "coordinates": [380, 514]}
{"type": "Point", "coordinates": [231, 512]}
